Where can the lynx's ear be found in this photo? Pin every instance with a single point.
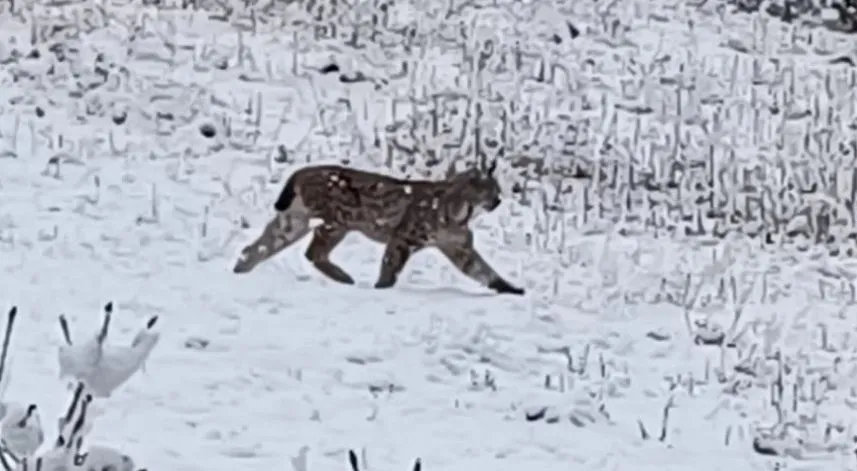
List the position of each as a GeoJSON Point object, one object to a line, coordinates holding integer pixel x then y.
{"type": "Point", "coordinates": [492, 168]}
{"type": "Point", "coordinates": [450, 170]}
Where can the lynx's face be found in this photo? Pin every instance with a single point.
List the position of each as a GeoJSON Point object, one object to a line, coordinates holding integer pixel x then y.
{"type": "Point", "coordinates": [480, 188]}
{"type": "Point", "coordinates": [486, 192]}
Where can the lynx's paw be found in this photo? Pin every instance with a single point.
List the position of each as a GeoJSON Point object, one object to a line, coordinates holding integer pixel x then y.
{"type": "Point", "coordinates": [501, 286]}
{"type": "Point", "coordinates": [384, 283]}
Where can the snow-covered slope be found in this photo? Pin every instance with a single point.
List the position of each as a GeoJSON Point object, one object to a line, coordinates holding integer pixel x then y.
{"type": "Point", "coordinates": [118, 195]}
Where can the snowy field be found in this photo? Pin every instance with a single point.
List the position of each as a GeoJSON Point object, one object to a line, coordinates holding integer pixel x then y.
{"type": "Point", "coordinates": [140, 149]}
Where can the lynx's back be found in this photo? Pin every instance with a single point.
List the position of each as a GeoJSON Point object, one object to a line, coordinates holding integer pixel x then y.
{"type": "Point", "coordinates": [368, 202]}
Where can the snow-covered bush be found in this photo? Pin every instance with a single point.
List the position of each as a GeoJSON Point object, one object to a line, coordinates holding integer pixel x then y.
{"type": "Point", "coordinates": [103, 367]}
{"type": "Point", "coordinates": [98, 369]}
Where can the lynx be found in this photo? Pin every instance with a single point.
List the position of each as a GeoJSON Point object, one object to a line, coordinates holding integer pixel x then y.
{"type": "Point", "coordinates": [407, 216]}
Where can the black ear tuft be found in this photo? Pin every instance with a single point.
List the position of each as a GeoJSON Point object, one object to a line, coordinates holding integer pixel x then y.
{"type": "Point", "coordinates": [450, 170]}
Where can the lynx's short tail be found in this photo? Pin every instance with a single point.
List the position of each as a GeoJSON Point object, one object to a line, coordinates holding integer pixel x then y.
{"type": "Point", "coordinates": [287, 196]}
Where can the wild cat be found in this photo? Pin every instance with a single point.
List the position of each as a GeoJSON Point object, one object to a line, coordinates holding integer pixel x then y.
{"type": "Point", "coordinates": [407, 216]}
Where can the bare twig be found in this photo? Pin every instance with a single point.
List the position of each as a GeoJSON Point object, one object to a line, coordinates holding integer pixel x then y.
{"type": "Point", "coordinates": [7, 338]}
{"type": "Point", "coordinates": [66, 334]}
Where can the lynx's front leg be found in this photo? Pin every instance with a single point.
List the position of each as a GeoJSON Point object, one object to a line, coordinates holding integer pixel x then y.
{"type": "Point", "coordinates": [396, 255]}
{"type": "Point", "coordinates": [284, 230]}
{"type": "Point", "coordinates": [325, 238]}
{"type": "Point", "coordinates": [459, 249]}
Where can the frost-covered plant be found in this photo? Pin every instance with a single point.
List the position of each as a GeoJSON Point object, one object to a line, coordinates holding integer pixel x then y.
{"type": "Point", "coordinates": [355, 464]}
{"type": "Point", "coordinates": [21, 431]}
{"type": "Point", "coordinates": [99, 370]}
{"type": "Point", "coordinates": [100, 366]}
{"type": "Point", "coordinates": [69, 452]}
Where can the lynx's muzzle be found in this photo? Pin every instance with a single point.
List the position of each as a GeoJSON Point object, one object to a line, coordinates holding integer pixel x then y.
{"type": "Point", "coordinates": [493, 204]}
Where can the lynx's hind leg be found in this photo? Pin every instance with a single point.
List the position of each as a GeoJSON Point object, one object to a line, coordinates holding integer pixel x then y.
{"type": "Point", "coordinates": [283, 230]}
{"type": "Point", "coordinates": [325, 238]}
{"type": "Point", "coordinates": [460, 251]}
{"type": "Point", "coordinates": [399, 250]}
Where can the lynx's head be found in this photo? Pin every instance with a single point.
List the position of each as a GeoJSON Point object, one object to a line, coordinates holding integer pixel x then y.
{"type": "Point", "coordinates": [479, 187]}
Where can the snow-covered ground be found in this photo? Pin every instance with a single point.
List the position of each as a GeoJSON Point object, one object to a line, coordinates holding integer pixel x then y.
{"type": "Point", "coordinates": [252, 368]}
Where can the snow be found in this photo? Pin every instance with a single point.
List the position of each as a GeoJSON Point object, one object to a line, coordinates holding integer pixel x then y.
{"type": "Point", "coordinates": [250, 369]}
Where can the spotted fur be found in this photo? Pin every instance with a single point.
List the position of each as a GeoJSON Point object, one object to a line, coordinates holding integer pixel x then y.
{"type": "Point", "coordinates": [406, 216]}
